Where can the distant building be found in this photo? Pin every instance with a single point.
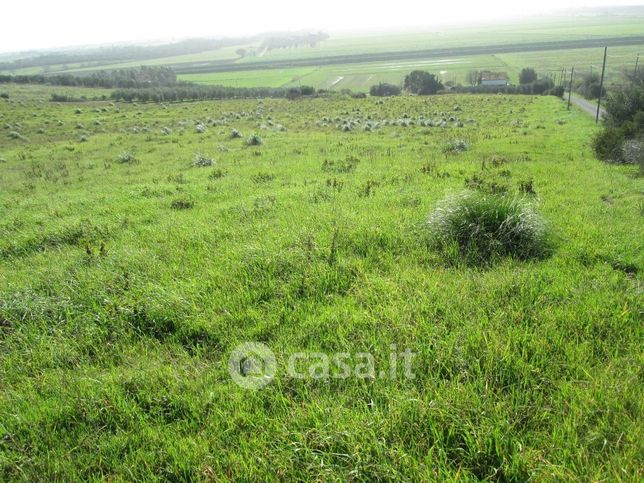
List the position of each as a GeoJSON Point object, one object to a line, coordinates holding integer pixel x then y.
{"type": "Point", "coordinates": [489, 78]}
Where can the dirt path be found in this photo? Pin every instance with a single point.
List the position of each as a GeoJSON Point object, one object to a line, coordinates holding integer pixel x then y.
{"type": "Point", "coordinates": [589, 107]}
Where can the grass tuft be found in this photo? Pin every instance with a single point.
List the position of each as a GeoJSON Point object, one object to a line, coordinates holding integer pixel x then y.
{"type": "Point", "coordinates": [482, 227]}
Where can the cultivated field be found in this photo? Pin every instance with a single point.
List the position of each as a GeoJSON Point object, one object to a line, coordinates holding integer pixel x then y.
{"type": "Point", "coordinates": [131, 267]}
{"type": "Point", "coordinates": [360, 76]}
{"type": "Point", "coordinates": [358, 60]}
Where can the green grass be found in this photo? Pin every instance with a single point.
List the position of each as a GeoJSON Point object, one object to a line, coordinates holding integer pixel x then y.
{"type": "Point", "coordinates": [359, 77]}
{"type": "Point", "coordinates": [124, 288]}
{"type": "Point", "coordinates": [266, 78]}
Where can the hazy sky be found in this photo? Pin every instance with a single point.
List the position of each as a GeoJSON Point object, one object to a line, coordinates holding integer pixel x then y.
{"type": "Point", "coordinates": [28, 24]}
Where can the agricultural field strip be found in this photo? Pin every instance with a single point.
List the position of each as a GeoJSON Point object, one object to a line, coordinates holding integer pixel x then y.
{"type": "Point", "coordinates": [415, 54]}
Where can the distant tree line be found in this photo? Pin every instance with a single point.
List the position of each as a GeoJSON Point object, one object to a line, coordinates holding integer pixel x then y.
{"type": "Point", "coordinates": [294, 40]}
{"type": "Point", "coordinates": [543, 86]}
{"type": "Point", "coordinates": [195, 92]}
{"type": "Point", "coordinates": [102, 55]}
{"type": "Point", "coordinates": [423, 83]}
{"type": "Point", "coordinates": [122, 78]}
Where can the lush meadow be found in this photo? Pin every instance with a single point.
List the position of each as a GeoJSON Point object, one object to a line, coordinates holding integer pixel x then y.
{"type": "Point", "coordinates": [140, 244]}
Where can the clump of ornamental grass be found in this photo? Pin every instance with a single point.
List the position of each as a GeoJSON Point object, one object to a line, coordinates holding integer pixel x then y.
{"type": "Point", "coordinates": [479, 228]}
{"type": "Point", "coordinates": [254, 140]}
{"type": "Point", "coordinates": [127, 157]}
{"type": "Point", "coordinates": [202, 161]}
{"type": "Point", "coordinates": [456, 146]}
{"type": "Point", "coordinates": [182, 203]}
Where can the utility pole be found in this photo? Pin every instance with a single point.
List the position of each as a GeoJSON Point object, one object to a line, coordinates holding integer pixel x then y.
{"type": "Point", "coordinates": [637, 61]}
{"type": "Point", "coordinates": [572, 73]}
{"type": "Point", "coordinates": [601, 86]}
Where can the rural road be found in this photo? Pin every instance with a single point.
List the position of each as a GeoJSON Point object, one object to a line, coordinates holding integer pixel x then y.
{"type": "Point", "coordinates": [589, 107]}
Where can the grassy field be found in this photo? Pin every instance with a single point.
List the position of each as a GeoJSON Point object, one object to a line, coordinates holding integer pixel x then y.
{"type": "Point", "coordinates": [126, 281]}
{"type": "Point", "coordinates": [359, 77]}
{"type": "Point", "coordinates": [517, 31]}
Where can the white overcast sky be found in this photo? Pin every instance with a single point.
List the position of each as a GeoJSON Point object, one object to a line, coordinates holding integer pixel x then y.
{"type": "Point", "coordinates": [29, 24]}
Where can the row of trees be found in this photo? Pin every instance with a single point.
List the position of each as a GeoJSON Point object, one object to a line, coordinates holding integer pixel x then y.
{"type": "Point", "coordinates": [144, 76]}
{"type": "Point", "coordinates": [416, 82]}
{"type": "Point", "coordinates": [103, 55]}
{"type": "Point", "coordinates": [423, 83]}
{"type": "Point", "coordinates": [195, 92]}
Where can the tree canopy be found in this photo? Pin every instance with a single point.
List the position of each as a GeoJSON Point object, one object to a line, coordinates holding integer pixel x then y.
{"type": "Point", "coordinates": [421, 82]}
{"type": "Point", "coordinates": [527, 75]}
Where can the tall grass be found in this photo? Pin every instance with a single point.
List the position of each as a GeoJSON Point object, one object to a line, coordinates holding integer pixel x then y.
{"type": "Point", "coordinates": [482, 227]}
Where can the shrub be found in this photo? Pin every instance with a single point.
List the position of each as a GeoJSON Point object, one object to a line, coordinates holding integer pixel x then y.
{"type": "Point", "coordinates": [127, 157]}
{"type": "Point", "coordinates": [201, 128]}
{"type": "Point", "coordinates": [254, 140]}
{"type": "Point", "coordinates": [456, 146]}
{"type": "Point", "coordinates": [216, 174]}
{"type": "Point", "coordinates": [624, 122]}
{"type": "Point", "coordinates": [480, 228]}
{"type": "Point", "coordinates": [557, 91]}
{"type": "Point", "coordinates": [182, 203]}
{"type": "Point", "coordinates": [421, 82]}
{"type": "Point", "coordinates": [607, 145]}
{"type": "Point", "coordinates": [202, 161]}
{"type": "Point", "coordinates": [4, 95]}
{"type": "Point", "coordinates": [633, 152]}
{"type": "Point", "coordinates": [384, 89]}
{"type": "Point", "coordinates": [527, 75]}
{"type": "Point", "coordinates": [235, 134]}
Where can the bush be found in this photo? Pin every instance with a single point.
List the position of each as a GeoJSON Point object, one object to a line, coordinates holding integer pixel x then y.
{"type": "Point", "coordinates": [633, 152]}
{"type": "Point", "coordinates": [202, 161]}
{"type": "Point", "coordinates": [557, 91]}
{"type": "Point", "coordinates": [421, 82]}
{"type": "Point", "coordinates": [620, 141]}
{"type": "Point", "coordinates": [127, 157]}
{"type": "Point", "coordinates": [254, 140]}
{"type": "Point", "coordinates": [482, 227]}
{"type": "Point", "coordinates": [456, 146]}
{"type": "Point", "coordinates": [542, 86]}
{"type": "Point", "coordinates": [384, 89]}
{"type": "Point", "coordinates": [607, 145]}
{"type": "Point", "coordinates": [182, 203]}
{"type": "Point", "coordinates": [4, 95]}
{"type": "Point", "coordinates": [235, 134]}
{"type": "Point", "coordinates": [527, 75]}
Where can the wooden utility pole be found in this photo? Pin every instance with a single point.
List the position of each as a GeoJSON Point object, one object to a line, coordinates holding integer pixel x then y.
{"type": "Point", "coordinates": [601, 86]}
{"type": "Point", "coordinates": [637, 61]}
{"type": "Point", "coordinates": [572, 73]}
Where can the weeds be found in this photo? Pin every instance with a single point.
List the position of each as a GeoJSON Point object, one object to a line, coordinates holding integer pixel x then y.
{"type": "Point", "coordinates": [182, 203]}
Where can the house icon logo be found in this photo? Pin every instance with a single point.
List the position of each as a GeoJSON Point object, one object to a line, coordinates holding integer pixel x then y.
{"type": "Point", "coordinates": [252, 365]}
